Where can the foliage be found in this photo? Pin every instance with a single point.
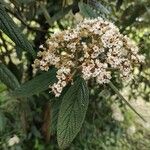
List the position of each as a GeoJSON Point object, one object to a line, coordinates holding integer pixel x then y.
{"type": "Point", "coordinates": [82, 114]}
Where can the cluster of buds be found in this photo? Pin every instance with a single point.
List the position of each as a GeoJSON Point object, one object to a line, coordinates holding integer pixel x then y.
{"type": "Point", "coordinates": [90, 50]}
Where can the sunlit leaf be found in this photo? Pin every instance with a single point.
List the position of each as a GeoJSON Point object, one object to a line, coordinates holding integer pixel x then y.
{"type": "Point", "coordinates": [8, 26]}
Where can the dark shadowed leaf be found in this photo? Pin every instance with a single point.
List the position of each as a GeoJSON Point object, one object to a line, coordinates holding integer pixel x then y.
{"type": "Point", "coordinates": [118, 4]}
{"type": "Point", "coordinates": [2, 121]}
{"type": "Point", "coordinates": [130, 15]}
{"type": "Point", "coordinates": [19, 52]}
{"type": "Point", "coordinates": [8, 78]}
{"type": "Point", "coordinates": [72, 112]}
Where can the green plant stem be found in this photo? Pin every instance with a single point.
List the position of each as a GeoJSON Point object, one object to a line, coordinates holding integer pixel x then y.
{"type": "Point", "coordinates": [122, 98]}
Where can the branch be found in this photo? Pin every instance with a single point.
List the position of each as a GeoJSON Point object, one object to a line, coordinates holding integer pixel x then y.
{"type": "Point", "coordinates": [24, 22]}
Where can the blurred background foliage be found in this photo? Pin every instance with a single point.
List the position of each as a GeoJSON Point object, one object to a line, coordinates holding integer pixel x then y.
{"type": "Point", "coordinates": [109, 124]}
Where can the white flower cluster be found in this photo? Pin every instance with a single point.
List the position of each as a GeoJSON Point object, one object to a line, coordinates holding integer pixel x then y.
{"type": "Point", "coordinates": [90, 49]}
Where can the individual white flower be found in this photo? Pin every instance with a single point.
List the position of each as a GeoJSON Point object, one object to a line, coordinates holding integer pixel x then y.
{"type": "Point", "coordinates": [86, 55]}
{"type": "Point", "coordinates": [103, 77]}
{"type": "Point", "coordinates": [14, 140]}
{"type": "Point", "coordinates": [41, 47]}
{"type": "Point", "coordinates": [95, 48]}
{"type": "Point", "coordinates": [63, 83]}
{"type": "Point", "coordinates": [66, 38]}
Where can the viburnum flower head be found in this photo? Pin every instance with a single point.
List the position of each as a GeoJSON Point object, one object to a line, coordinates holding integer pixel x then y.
{"type": "Point", "coordinates": [90, 50]}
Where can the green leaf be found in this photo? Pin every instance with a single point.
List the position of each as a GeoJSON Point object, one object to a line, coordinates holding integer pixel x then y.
{"type": "Point", "coordinates": [2, 121]}
{"type": "Point", "coordinates": [8, 26]}
{"type": "Point", "coordinates": [72, 112]}
{"type": "Point", "coordinates": [87, 11]}
{"type": "Point", "coordinates": [113, 87]}
{"type": "Point", "coordinates": [8, 78]}
{"type": "Point", "coordinates": [60, 14]}
{"type": "Point", "coordinates": [3, 87]}
{"type": "Point", "coordinates": [99, 7]}
{"type": "Point", "coordinates": [38, 84]}
{"type": "Point", "coordinates": [119, 4]}
{"type": "Point", "coordinates": [16, 70]}
{"type": "Point", "coordinates": [130, 15]}
{"type": "Point", "coordinates": [55, 106]}
{"type": "Point", "coordinates": [19, 52]}
{"type": "Point", "coordinates": [46, 14]}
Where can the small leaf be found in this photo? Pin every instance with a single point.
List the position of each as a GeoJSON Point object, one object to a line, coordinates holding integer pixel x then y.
{"type": "Point", "coordinates": [72, 112]}
{"type": "Point", "coordinates": [38, 84]}
{"type": "Point", "coordinates": [123, 99]}
{"type": "Point", "coordinates": [8, 26]}
{"type": "Point", "coordinates": [8, 78]}
{"type": "Point", "coordinates": [87, 11]}
{"type": "Point", "coordinates": [46, 14]}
